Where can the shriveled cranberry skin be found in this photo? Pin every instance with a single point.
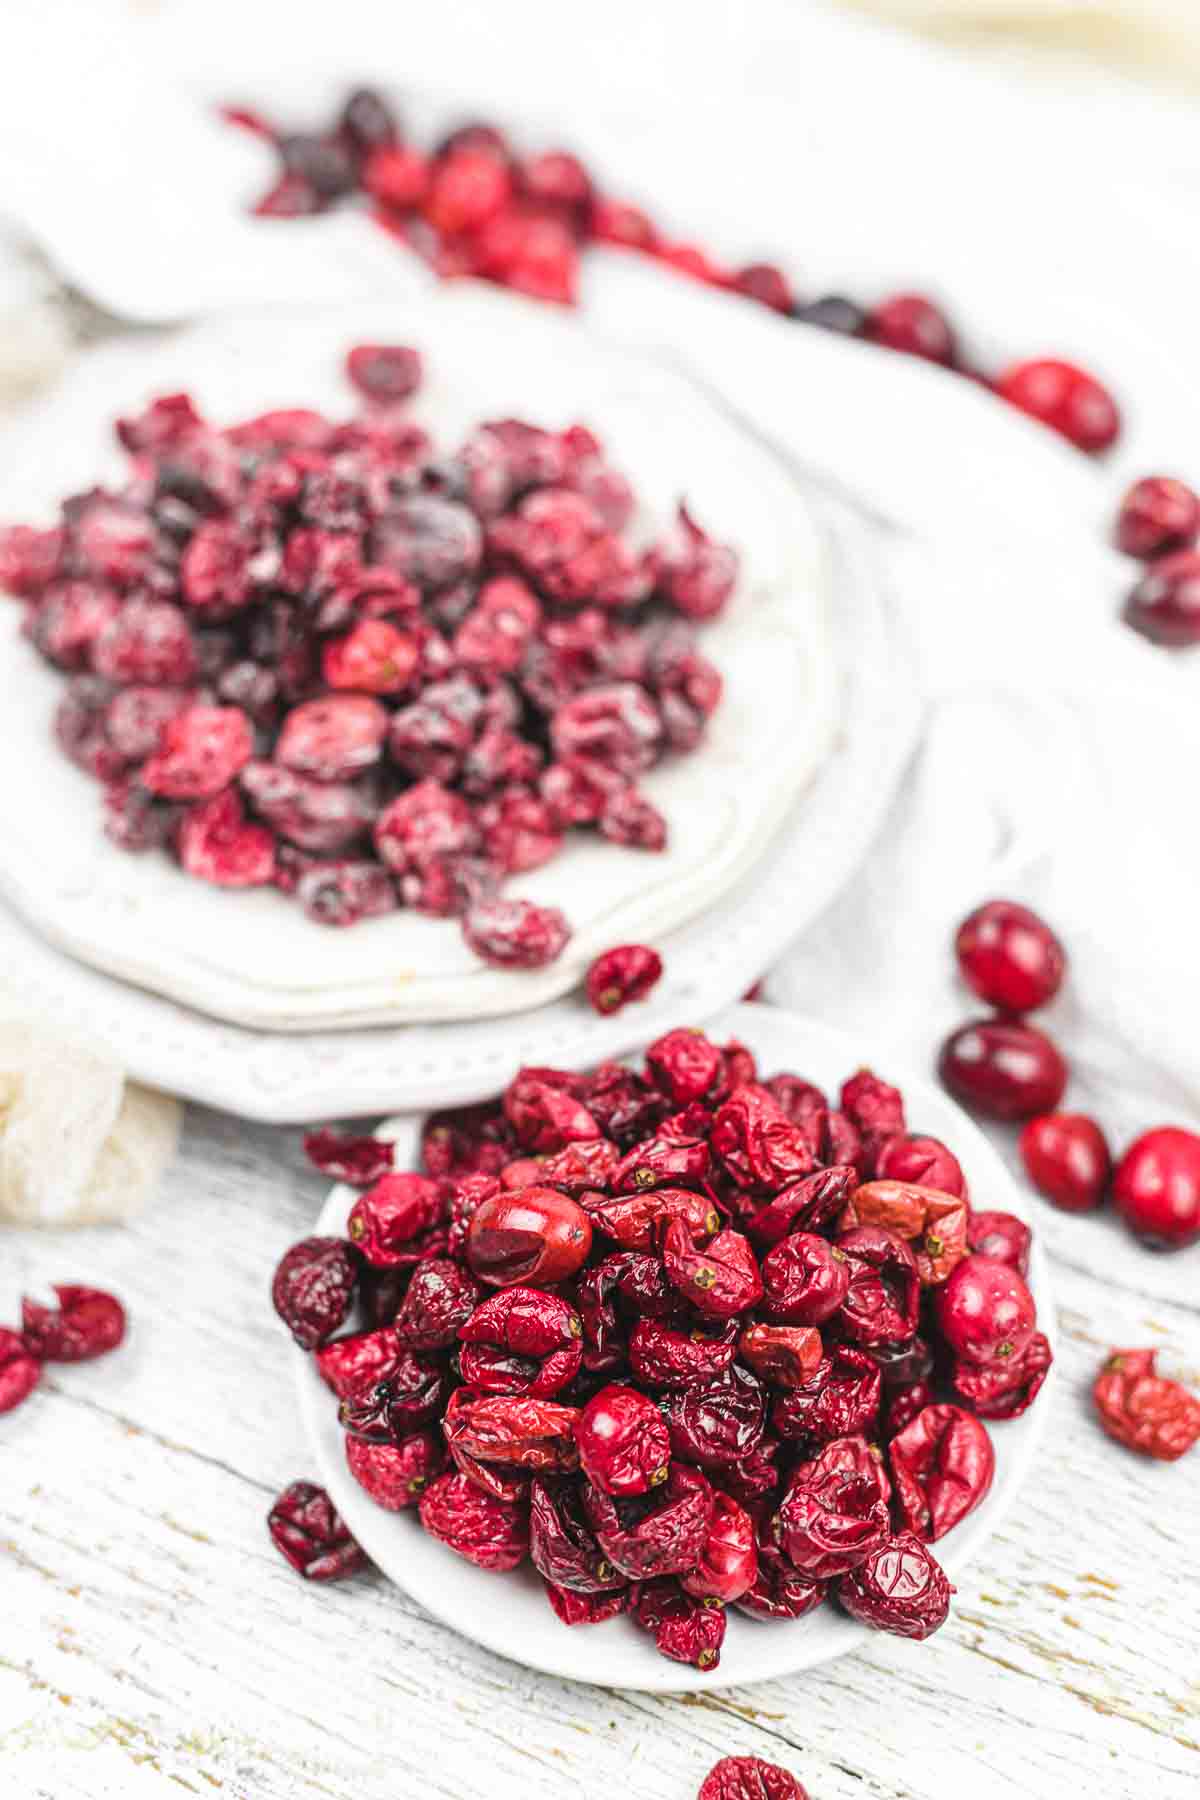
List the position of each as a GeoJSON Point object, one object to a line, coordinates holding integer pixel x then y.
{"type": "Point", "coordinates": [923, 1160]}
{"type": "Point", "coordinates": [396, 1475]}
{"type": "Point", "coordinates": [313, 1288]}
{"type": "Point", "coordinates": [913, 324]}
{"type": "Point", "coordinates": [20, 1370]}
{"type": "Point", "coordinates": [1003, 1068]}
{"type": "Point", "coordinates": [1158, 514]}
{"type": "Point", "coordinates": [491, 1533]}
{"type": "Point", "coordinates": [1156, 1187]}
{"type": "Point", "coordinates": [1010, 957]}
{"type": "Point", "coordinates": [531, 1234]}
{"type": "Point", "coordinates": [1066, 398]}
{"type": "Point", "coordinates": [624, 1445]}
{"type": "Point", "coordinates": [749, 1778]}
{"type": "Point", "coordinates": [728, 1565]}
{"type": "Point", "coordinates": [900, 1588]}
{"type": "Point", "coordinates": [1067, 1159]}
{"type": "Point", "coordinates": [985, 1311]}
{"type": "Point", "coordinates": [1002, 1236]}
{"type": "Point", "coordinates": [1165, 604]}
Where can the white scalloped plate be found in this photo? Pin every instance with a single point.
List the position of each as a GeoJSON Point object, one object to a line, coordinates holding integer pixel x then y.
{"type": "Point", "coordinates": [254, 958]}
{"type": "Point", "coordinates": [509, 1614]}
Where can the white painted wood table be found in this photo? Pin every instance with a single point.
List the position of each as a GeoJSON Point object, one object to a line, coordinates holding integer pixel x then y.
{"type": "Point", "coordinates": [152, 1641]}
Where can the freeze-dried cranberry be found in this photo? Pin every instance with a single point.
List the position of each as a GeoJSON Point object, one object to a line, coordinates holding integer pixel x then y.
{"type": "Point", "coordinates": [323, 163]}
{"type": "Point", "coordinates": [935, 1224]}
{"type": "Point", "coordinates": [911, 323]}
{"type": "Point", "coordinates": [87, 1322]}
{"type": "Point", "coordinates": [623, 1442]}
{"type": "Point", "coordinates": [805, 1280]}
{"type": "Point", "coordinates": [341, 893]}
{"type": "Point", "coordinates": [1010, 956]}
{"type": "Point", "coordinates": [840, 1399]}
{"type": "Point", "coordinates": [1006, 1388]}
{"type": "Point", "coordinates": [719, 1425]}
{"type": "Point", "coordinates": [357, 1160]}
{"type": "Point", "coordinates": [766, 284]}
{"type": "Point", "coordinates": [898, 1588]}
{"type": "Point", "coordinates": [1003, 1068]}
{"type": "Point", "coordinates": [759, 1147]}
{"type": "Point", "coordinates": [835, 1510]}
{"type": "Point", "coordinates": [1143, 1410]}
{"type": "Point", "coordinates": [396, 1475]}
{"type": "Point", "coordinates": [661, 1533]}
{"type": "Point", "coordinates": [429, 541]}
{"type": "Point", "coordinates": [662, 1357]}
{"type": "Point", "coordinates": [1001, 1236]}
{"type": "Point", "coordinates": [618, 725]}
{"type": "Point", "coordinates": [521, 1341]}
{"type": "Point", "coordinates": [313, 1288]}
{"type": "Point", "coordinates": [391, 1223]}
{"type": "Point", "coordinates": [319, 816]}
{"type": "Point", "coordinates": [925, 1161]}
{"type": "Point", "coordinates": [1067, 1159]}
{"type": "Point", "coordinates": [531, 1235]}
{"type": "Point", "coordinates": [80, 728]}
{"type": "Point", "coordinates": [200, 751]}
{"type": "Point", "coordinates": [333, 739]}
{"type": "Point", "coordinates": [29, 560]}
{"type": "Point", "coordinates": [20, 1370]}
{"type": "Point", "coordinates": [685, 1629]}
{"type": "Point", "coordinates": [216, 844]}
{"type": "Point", "coordinates": [375, 657]}
{"type": "Point", "coordinates": [135, 820]}
{"type": "Point", "coordinates": [985, 1311]}
{"type": "Point", "coordinates": [1066, 398]}
{"type": "Point", "coordinates": [135, 718]}
{"type": "Point", "coordinates": [361, 1360]}
{"type": "Point", "coordinates": [410, 1391]}
{"type": "Point", "coordinates": [562, 1546]}
{"type": "Point", "coordinates": [749, 1778]}
{"type": "Point", "coordinates": [148, 641]}
{"type": "Point", "coordinates": [491, 1533]}
{"type": "Point", "coordinates": [384, 373]}
{"type": "Point", "coordinates": [441, 1298]}
{"type": "Point", "coordinates": [694, 573]}
{"type": "Point", "coordinates": [306, 1529]}
{"type": "Point", "coordinates": [515, 934]}
{"type": "Point", "coordinates": [803, 1206]}
{"type": "Point", "coordinates": [942, 1465]}
{"type": "Point", "coordinates": [1158, 514]}
{"type": "Point", "coordinates": [1156, 1187]}
{"type": "Point", "coordinates": [785, 1355]}
{"type": "Point", "coordinates": [720, 1280]}
{"type": "Point", "coordinates": [108, 537]}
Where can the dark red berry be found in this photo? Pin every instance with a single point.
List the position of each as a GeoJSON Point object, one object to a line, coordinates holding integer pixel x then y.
{"type": "Point", "coordinates": [1010, 957]}
{"type": "Point", "coordinates": [913, 324]}
{"type": "Point", "coordinates": [1165, 604]}
{"type": "Point", "coordinates": [1066, 398]}
{"type": "Point", "coordinates": [1156, 1187]}
{"type": "Point", "coordinates": [1003, 1068]}
{"type": "Point", "coordinates": [1067, 1160]}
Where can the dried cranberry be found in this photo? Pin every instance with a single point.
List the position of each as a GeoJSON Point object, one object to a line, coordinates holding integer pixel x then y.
{"type": "Point", "coordinates": [491, 1533]}
{"type": "Point", "coordinates": [779, 1591]}
{"type": "Point", "coordinates": [441, 1298]}
{"type": "Point", "coordinates": [1156, 1187]}
{"type": "Point", "coordinates": [512, 1430]}
{"type": "Point", "coordinates": [149, 642]}
{"type": "Point", "coordinates": [1066, 398]}
{"type": "Point", "coordinates": [749, 1778]}
{"type": "Point", "coordinates": [875, 1109]}
{"type": "Point", "coordinates": [803, 1206]}
{"type": "Point", "coordinates": [521, 1341]}
{"type": "Point", "coordinates": [728, 1564]}
{"type": "Point", "coordinates": [685, 1066]}
{"type": "Point", "coordinates": [883, 1298]}
{"type": "Point", "coordinates": [1003, 1068]}
{"type": "Point", "coordinates": [306, 1529]}
{"type": "Point", "coordinates": [924, 1161]}
{"type": "Point", "coordinates": [532, 1235]}
{"type": "Point", "coordinates": [200, 751]}
{"type": "Point", "coordinates": [835, 1510]}
{"type": "Point", "coordinates": [410, 1392]}
{"type": "Point", "coordinates": [1067, 1159]}
{"type": "Point", "coordinates": [562, 1546]}
{"type": "Point", "coordinates": [639, 1221]}
{"type": "Point", "coordinates": [20, 1370]}
{"type": "Point", "coordinates": [1143, 1410]}
{"type": "Point", "coordinates": [935, 1224]}
{"type": "Point", "coordinates": [1001, 1236]}
{"type": "Point", "coordinates": [621, 975]}
{"type": "Point", "coordinates": [661, 1533]}
{"type": "Point", "coordinates": [384, 373]}
{"type": "Point", "coordinates": [1007, 1388]}
{"type": "Point", "coordinates": [86, 1323]}
{"type": "Point", "coordinates": [1165, 604]}
{"type": "Point", "coordinates": [216, 844]}
{"type": "Point", "coordinates": [898, 1588]}
{"type": "Point", "coordinates": [695, 574]}
{"type": "Point", "coordinates": [841, 1398]}
{"type": "Point", "coordinates": [515, 934]}
{"type": "Point", "coordinates": [685, 1629]}
{"type": "Point", "coordinates": [397, 175]}
{"type": "Point", "coordinates": [574, 1608]}
{"type": "Point", "coordinates": [677, 1154]}
{"type": "Point", "coordinates": [805, 1280]}
{"type": "Point", "coordinates": [396, 1475]}
{"type": "Point", "coordinates": [785, 1355]}
{"type": "Point", "coordinates": [662, 1357]}
{"type": "Point", "coordinates": [719, 1425]}
{"type": "Point", "coordinates": [390, 1224]}
{"type": "Point", "coordinates": [361, 1360]}
{"type": "Point", "coordinates": [1157, 515]}
{"type": "Point", "coordinates": [333, 739]}
{"type": "Point", "coordinates": [720, 1280]}
{"type": "Point", "coordinates": [623, 1443]}
{"type": "Point", "coordinates": [28, 560]}
{"type": "Point", "coordinates": [913, 324]}
{"type": "Point", "coordinates": [942, 1464]}
{"type": "Point", "coordinates": [313, 1288]}
{"type": "Point", "coordinates": [985, 1311]}
{"type": "Point", "coordinates": [357, 1160]}
{"type": "Point", "coordinates": [1010, 957]}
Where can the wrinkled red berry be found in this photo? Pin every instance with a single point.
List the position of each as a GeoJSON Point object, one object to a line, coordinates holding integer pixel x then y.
{"type": "Point", "coordinates": [1003, 1068]}
{"type": "Point", "coordinates": [531, 1235]}
{"type": "Point", "coordinates": [515, 934]}
{"type": "Point", "coordinates": [216, 844]}
{"type": "Point", "coordinates": [396, 1475]}
{"type": "Point", "coordinates": [489, 1532]}
{"type": "Point", "coordinates": [728, 1565]}
{"type": "Point", "coordinates": [1156, 1187]}
{"type": "Point", "coordinates": [835, 1512]}
{"type": "Point", "coordinates": [749, 1778]}
{"type": "Point", "coordinates": [20, 1370]}
{"type": "Point", "coordinates": [1001, 1236]}
{"type": "Point", "coordinates": [307, 1530]}
{"type": "Point", "coordinates": [313, 1288]}
{"type": "Point", "coordinates": [1066, 398]}
{"type": "Point", "coordinates": [942, 1465]}
{"type": "Point", "coordinates": [391, 1223]}
{"type": "Point", "coordinates": [1144, 1411]}
{"type": "Point", "coordinates": [924, 1161]}
{"type": "Point", "coordinates": [1010, 957]}
{"type": "Point", "coordinates": [898, 1588]}
{"type": "Point", "coordinates": [1006, 1388]}
{"type": "Point", "coordinates": [623, 1442]}
{"type": "Point", "coordinates": [1067, 1159]}
{"type": "Point", "coordinates": [384, 373]}
{"type": "Point", "coordinates": [200, 751]}
{"type": "Point", "coordinates": [86, 1323]}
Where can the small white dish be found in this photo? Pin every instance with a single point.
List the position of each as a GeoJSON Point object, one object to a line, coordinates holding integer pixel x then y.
{"type": "Point", "coordinates": [254, 959]}
{"type": "Point", "coordinates": [509, 1614]}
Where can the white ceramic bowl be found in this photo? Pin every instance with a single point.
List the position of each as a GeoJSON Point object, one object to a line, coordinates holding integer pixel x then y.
{"type": "Point", "coordinates": [509, 1614]}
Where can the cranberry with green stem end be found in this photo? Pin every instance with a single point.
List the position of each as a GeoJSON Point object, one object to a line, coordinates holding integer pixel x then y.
{"type": "Point", "coordinates": [900, 1588]}
{"type": "Point", "coordinates": [624, 1445]}
{"type": "Point", "coordinates": [86, 1322]}
{"type": "Point", "coordinates": [1064, 397]}
{"type": "Point", "coordinates": [1165, 604]}
{"type": "Point", "coordinates": [20, 1370]}
{"type": "Point", "coordinates": [396, 1475]}
{"type": "Point", "coordinates": [1003, 1390]}
{"type": "Point", "coordinates": [721, 1279]}
{"type": "Point", "coordinates": [533, 1235]}
{"type": "Point", "coordinates": [728, 1564]}
{"type": "Point", "coordinates": [1157, 515]}
{"type": "Point", "coordinates": [1144, 1411]}
{"type": "Point", "coordinates": [621, 975]}
{"type": "Point", "coordinates": [1009, 956]}
{"type": "Point", "coordinates": [384, 373]}
{"type": "Point", "coordinates": [309, 1533]}
{"type": "Point", "coordinates": [1002, 1236]}
{"type": "Point", "coordinates": [313, 1288]}
{"type": "Point", "coordinates": [685, 1629]}
{"type": "Point", "coordinates": [914, 325]}
{"type": "Point", "coordinates": [1156, 1187]}
{"type": "Point", "coordinates": [985, 1312]}
{"type": "Point", "coordinates": [749, 1778]}
{"type": "Point", "coordinates": [1003, 1068]}
{"type": "Point", "coordinates": [562, 1545]}
{"type": "Point", "coordinates": [1067, 1159]}
{"type": "Point", "coordinates": [390, 1222]}
{"type": "Point", "coordinates": [521, 1341]}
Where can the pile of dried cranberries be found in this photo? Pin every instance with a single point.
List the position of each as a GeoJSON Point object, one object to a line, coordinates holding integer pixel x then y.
{"type": "Point", "coordinates": [317, 655]}
{"type": "Point", "coordinates": [472, 205]}
{"type": "Point", "coordinates": [687, 1338]}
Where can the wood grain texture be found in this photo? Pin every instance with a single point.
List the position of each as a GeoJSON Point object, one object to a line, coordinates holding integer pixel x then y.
{"type": "Point", "coordinates": [151, 1640]}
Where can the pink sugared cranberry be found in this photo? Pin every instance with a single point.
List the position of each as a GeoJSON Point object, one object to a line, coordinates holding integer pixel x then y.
{"type": "Point", "coordinates": [985, 1311]}
{"type": "Point", "coordinates": [375, 657]}
{"type": "Point", "coordinates": [384, 373]}
{"type": "Point", "coordinates": [515, 934]}
{"type": "Point", "coordinates": [1004, 1068]}
{"type": "Point", "coordinates": [200, 751]}
{"type": "Point", "coordinates": [216, 844]}
{"type": "Point", "coordinates": [1009, 956]}
{"type": "Point", "coordinates": [1165, 604]}
{"type": "Point", "coordinates": [1157, 515]}
{"type": "Point", "coordinates": [1066, 398]}
{"type": "Point", "coordinates": [1157, 1187]}
{"type": "Point", "coordinates": [1067, 1160]}
{"type": "Point", "coordinates": [911, 323]}
{"type": "Point", "coordinates": [468, 188]}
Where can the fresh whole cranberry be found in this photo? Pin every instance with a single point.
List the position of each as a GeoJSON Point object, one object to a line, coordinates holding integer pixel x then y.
{"type": "Point", "coordinates": [1001, 1236]}
{"type": "Point", "coordinates": [913, 324]}
{"type": "Point", "coordinates": [1003, 1068]}
{"type": "Point", "coordinates": [1066, 398]}
{"type": "Point", "coordinates": [924, 1161]}
{"type": "Point", "coordinates": [1158, 514]}
{"type": "Point", "coordinates": [1067, 1159]}
{"type": "Point", "coordinates": [531, 1234]}
{"type": "Point", "coordinates": [624, 1446]}
{"type": "Point", "coordinates": [1156, 1187]}
{"type": "Point", "coordinates": [985, 1311]}
{"type": "Point", "coordinates": [1010, 957]}
{"type": "Point", "coordinates": [1165, 604]}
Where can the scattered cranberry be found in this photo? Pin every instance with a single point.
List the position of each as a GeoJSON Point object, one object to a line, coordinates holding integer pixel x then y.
{"type": "Point", "coordinates": [622, 975]}
{"type": "Point", "coordinates": [1158, 515]}
{"type": "Point", "coordinates": [911, 323]}
{"type": "Point", "coordinates": [1002, 1237]}
{"type": "Point", "coordinates": [1010, 957]}
{"type": "Point", "coordinates": [924, 1161]}
{"type": "Point", "coordinates": [899, 1588]}
{"type": "Point", "coordinates": [1142, 1409]}
{"type": "Point", "coordinates": [1165, 604]}
{"type": "Point", "coordinates": [308, 1532]}
{"type": "Point", "coordinates": [1004, 1068]}
{"type": "Point", "coordinates": [1066, 398]}
{"type": "Point", "coordinates": [1156, 1187]}
{"type": "Point", "coordinates": [985, 1311]}
{"type": "Point", "coordinates": [749, 1778]}
{"type": "Point", "coordinates": [20, 1370]}
{"type": "Point", "coordinates": [314, 1287]}
{"type": "Point", "coordinates": [86, 1323]}
{"type": "Point", "coordinates": [1067, 1159]}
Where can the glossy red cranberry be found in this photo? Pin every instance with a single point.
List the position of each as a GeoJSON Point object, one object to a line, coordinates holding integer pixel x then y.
{"type": "Point", "coordinates": [1009, 956]}
{"type": "Point", "coordinates": [624, 1445]}
{"type": "Point", "coordinates": [1001, 1236]}
{"type": "Point", "coordinates": [313, 1288]}
{"type": "Point", "coordinates": [900, 1588]}
{"type": "Point", "coordinates": [913, 324]}
{"type": "Point", "coordinates": [923, 1160]}
{"type": "Point", "coordinates": [728, 1565]}
{"type": "Point", "coordinates": [985, 1311]}
{"type": "Point", "coordinates": [766, 284]}
{"type": "Point", "coordinates": [1003, 1068]}
{"type": "Point", "coordinates": [1066, 398]}
{"type": "Point", "coordinates": [1067, 1159]}
{"type": "Point", "coordinates": [1158, 514]}
{"type": "Point", "coordinates": [1157, 1187]}
{"type": "Point", "coordinates": [530, 1234]}
{"type": "Point", "coordinates": [1165, 604]}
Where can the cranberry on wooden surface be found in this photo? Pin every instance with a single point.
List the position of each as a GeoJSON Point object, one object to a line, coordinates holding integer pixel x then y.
{"type": "Point", "coordinates": [985, 1311]}
{"type": "Point", "coordinates": [1009, 956]}
{"type": "Point", "coordinates": [528, 1234]}
{"type": "Point", "coordinates": [1002, 1236]}
{"type": "Point", "coordinates": [913, 324]}
{"type": "Point", "coordinates": [1066, 398]}
{"type": "Point", "coordinates": [1156, 1187]}
{"type": "Point", "coordinates": [749, 1778]}
{"type": "Point", "coordinates": [1003, 1068]}
{"type": "Point", "coordinates": [621, 975]}
{"type": "Point", "coordinates": [1067, 1159]}
{"type": "Point", "coordinates": [1165, 604]}
{"type": "Point", "coordinates": [20, 1370]}
{"type": "Point", "coordinates": [86, 1323]}
{"type": "Point", "coordinates": [1158, 514]}
{"type": "Point", "coordinates": [1142, 1409]}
